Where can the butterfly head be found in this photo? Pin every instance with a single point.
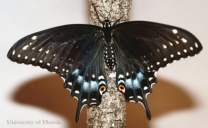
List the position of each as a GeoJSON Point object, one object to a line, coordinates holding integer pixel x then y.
{"type": "Point", "coordinates": [106, 24]}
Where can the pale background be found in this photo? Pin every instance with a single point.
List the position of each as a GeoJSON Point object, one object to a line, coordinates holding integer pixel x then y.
{"type": "Point", "coordinates": [179, 100]}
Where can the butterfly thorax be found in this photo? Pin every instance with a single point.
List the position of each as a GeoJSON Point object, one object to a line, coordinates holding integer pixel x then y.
{"type": "Point", "coordinates": [107, 31]}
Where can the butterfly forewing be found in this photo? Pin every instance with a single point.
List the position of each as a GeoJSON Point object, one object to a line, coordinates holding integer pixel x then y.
{"type": "Point", "coordinates": [155, 44]}
{"type": "Point", "coordinates": [56, 48]}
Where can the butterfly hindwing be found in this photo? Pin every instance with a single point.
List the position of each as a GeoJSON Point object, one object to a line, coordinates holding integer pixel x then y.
{"type": "Point", "coordinates": [132, 80]}
{"type": "Point", "coordinates": [154, 45]}
{"type": "Point", "coordinates": [88, 83]}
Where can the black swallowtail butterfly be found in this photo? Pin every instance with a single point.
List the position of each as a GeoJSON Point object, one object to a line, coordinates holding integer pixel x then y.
{"type": "Point", "coordinates": [78, 53]}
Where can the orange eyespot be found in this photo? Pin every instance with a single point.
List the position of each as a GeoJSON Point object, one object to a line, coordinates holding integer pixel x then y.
{"type": "Point", "coordinates": [121, 88]}
{"type": "Point", "coordinates": [102, 89]}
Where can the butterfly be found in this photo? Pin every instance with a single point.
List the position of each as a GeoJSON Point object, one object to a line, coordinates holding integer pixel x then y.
{"type": "Point", "coordinates": [135, 50]}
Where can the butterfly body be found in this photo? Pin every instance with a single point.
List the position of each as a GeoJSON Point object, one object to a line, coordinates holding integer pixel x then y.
{"type": "Point", "coordinates": [135, 50]}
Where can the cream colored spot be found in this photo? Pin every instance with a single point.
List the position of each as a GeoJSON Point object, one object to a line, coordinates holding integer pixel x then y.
{"type": "Point", "coordinates": [93, 75]}
{"type": "Point", "coordinates": [100, 77]}
{"type": "Point", "coordinates": [47, 51]}
{"type": "Point", "coordinates": [127, 73]}
{"type": "Point", "coordinates": [171, 44]}
{"type": "Point", "coordinates": [150, 78]}
{"type": "Point", "coordinates": [175, 31]}
{"type": "Point", "coordinates": [77, 92]}
{"type": "Point", "coordinates": [130, 97]}
{"type": "Point", "coordinates": [84, 100]}
{"type": "Point", "coordinates": [176, 42]}
{"type": "Point", "coordinates": [165, 59]}
{"type": "Point", "coordinates": [13, 52]}
{"type": "Point", "coordinates": [184, 50]}
{"type": "Point", "coordinates": [40, 49]}
{"type": "Point", "coordinates": [139, 97]}
{"type": "Point", "coordinates": [196, 45]}
{"type": "Point", "coordinates": [145, 88]}
{"type": "Point", "coordinates": [25, 47]}
{"type": "Point", "coordinates": [164, 46]}
{"type": "Point", "coordinates": [69, 83]}
{"type": "Point", "coordinates": [121, 76]}
{"type": "Point", "coordinates": [34, 38]}
{"type": "Point", "coordinates": [184, 40]}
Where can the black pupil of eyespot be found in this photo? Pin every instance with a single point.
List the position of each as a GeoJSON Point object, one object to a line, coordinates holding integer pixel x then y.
{"type": "Point", "coordinates": [102, 88]}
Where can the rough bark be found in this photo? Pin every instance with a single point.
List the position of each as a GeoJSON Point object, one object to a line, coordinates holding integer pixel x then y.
{"type": "Point", "coordinates": [111, 113]}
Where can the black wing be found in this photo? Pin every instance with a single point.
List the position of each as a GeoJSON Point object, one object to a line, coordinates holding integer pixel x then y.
{"type": "Point", "coordinates": [132, 80]}
{"type": "Point", "coordinates": [144, 47]}
{"type": "Point", "coordinates": [154, 45]}
{"type": "Point", "coordinates": [72, 51]}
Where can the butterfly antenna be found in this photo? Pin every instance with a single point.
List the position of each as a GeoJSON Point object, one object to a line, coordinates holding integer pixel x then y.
{"type": "Point", "coordinates": [96, 11]}
{"type": "Point", "coordinates": [118, 20]}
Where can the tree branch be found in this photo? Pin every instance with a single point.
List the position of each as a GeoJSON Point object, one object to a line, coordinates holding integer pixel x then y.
{"type": "Point", "coordinates": [111, 113]}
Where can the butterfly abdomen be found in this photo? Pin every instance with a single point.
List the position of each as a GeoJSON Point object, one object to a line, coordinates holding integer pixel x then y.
{"type": "Point", "coordinates": [109, 56]}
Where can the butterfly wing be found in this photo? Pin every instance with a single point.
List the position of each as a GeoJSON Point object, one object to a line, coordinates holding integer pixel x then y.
{"type": "Point", "coordinates": [72, 51]}
{"type": "Point", "coordinates": [132, 80]}
{"type": "Point", "coordinates": [154, 45]}
{"type": "Point", "coordinates": [144, 47]}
